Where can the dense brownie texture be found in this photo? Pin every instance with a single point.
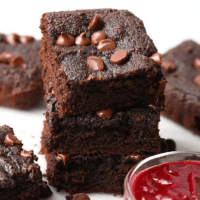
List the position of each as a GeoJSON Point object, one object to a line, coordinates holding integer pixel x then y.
{"type": "Point", "coordinates": [91, 173]}
{"type": "Point", "coordinates": [182, 93]}
{"type": "Point", "coordinates": [21, 178]}
{"type": "Point", "coordinates": [130, 130]}
{"type": "Point", "coordinates": [21, 87]}
{"type": "Point", "coordinates": [137, 80]}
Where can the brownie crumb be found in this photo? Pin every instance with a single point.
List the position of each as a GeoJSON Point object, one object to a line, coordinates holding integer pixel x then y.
{"type": "Point", "coordinates": [45, 191]}
{"type": "Point", "coordinates": [171, 145]}
{"type": "Point", "coordinates": [81, 196]}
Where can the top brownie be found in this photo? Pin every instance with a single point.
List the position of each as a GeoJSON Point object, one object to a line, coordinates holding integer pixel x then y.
{"type": "Point", "coordinates": [85, 71]}
{"type": "Point", "coordinates": [21, 83]}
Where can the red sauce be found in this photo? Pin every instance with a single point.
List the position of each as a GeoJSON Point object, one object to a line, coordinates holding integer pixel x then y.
{"type": "Point", "coordinates": [168, 181]}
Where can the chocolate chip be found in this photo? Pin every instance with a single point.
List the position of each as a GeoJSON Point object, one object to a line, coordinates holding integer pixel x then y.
{"type": "Point", "coordinates": [95, 63]}
{"type": "Point", "coordinates": [106, 45]}
{"type": "Point", "coordinates": [62, 157]}
{"type": "Point", "coordinates": [156, 58]}
{"type": "Point", "coordinates": [26, 154]}
{"type": "Point", "coordinates": [97, 37]}
{"type": "Point", "coordinates": [82, 40]}
{"type": "Point", "coordinates": [10, 140]}
{"type": "Point", "coordinates": [17, 61]}
{"type": "Point", "coordinates": [25, 39]}
{"type": "Point", "coordinates": [197, 80]}
{"type": "Point", "coordinates": [81, 196]}
{"type": "Point", "coordinates": [168, 66]}
{"type": "Point", "coordinates": [136, 157]}
{"type": "Point", "coordinates": [96, 23]}
{"type": "Point", "coordinates": [119, 57]}
{"type": "Point", "coordinates": [5, 57]}
{"type": "Point", "coordinates": [12, 38]}
{"type": "Point", "coordinates": [65, 40]}
{"type": "Point", "coordinates": [197, 63]}
{"type": "Point", "coordinates": [105, 114]}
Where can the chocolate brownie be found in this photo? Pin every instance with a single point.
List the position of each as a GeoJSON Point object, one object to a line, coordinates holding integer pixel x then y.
{"type": "Point", "coordinates": [98, 59]}
{"type": "Point", "coordinates": [21, 83]}
{"type": "Point", "coordinates": [125, 131]}
{"type": "Point", "coordinates": [90, 173]}
{"type": "Point", "coordinates": [21, 178]}
{"type": "Point", "coordinates": [182, 69]}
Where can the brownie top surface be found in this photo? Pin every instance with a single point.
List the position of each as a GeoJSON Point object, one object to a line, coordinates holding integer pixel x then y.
{"type": "Point", "coordinates": [121, 26]}
{"type": "Point", "coordinates": [15, 163]}
{"type": "Point", "coordinates": [182, 72]}
{"type": "Point", "coordinates": [17, 78]}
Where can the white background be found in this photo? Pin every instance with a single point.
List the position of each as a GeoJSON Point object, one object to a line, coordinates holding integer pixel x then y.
{"type": "Point", "coordinates": [167, 22]}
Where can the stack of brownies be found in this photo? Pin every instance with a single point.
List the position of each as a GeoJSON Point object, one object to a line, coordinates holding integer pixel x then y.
{"type": "Point", "coordinates": [104, 93]}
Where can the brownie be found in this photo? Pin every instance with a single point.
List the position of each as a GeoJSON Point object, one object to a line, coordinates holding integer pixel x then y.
{"type": "Point", "coordinates": [181, 66]}
{"type": "Point", "coordinates": [120, 71]}
{"type": "Point", "coordinates": [125, 131]}
{"type": "Point", "coordinates": [21, 83]}
{"type": "Point", "coordinates": [21, 178]}
{"type": "Point", "coordinates": [90, 173]}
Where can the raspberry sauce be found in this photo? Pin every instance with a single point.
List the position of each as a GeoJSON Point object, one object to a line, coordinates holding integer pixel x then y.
{"type": "Point", "coordinates": [168, 181]}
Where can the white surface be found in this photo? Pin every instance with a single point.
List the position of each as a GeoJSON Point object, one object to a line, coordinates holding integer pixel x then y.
{"type": "Point", "coordinates": [167, 22]}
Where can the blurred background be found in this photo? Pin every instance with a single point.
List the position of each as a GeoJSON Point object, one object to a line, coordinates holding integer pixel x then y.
{"type": "Point", "coordinates": [167, 22]}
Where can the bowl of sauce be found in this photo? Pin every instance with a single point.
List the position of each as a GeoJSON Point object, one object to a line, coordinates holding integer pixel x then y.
{"type": "Point", "coordinates": [167, 176]}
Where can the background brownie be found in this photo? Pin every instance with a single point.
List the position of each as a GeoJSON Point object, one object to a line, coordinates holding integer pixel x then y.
{"type": "Point", "coordinates": [21, 178]}
{"type": "Point", "coordinates": [136, 80]}
{"type": "Point", "coordinates": [21, 83]}
{"type": "Point", "coordinates": [182, 69]}
{"type": "Point", "coordinates": [126, 131]}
